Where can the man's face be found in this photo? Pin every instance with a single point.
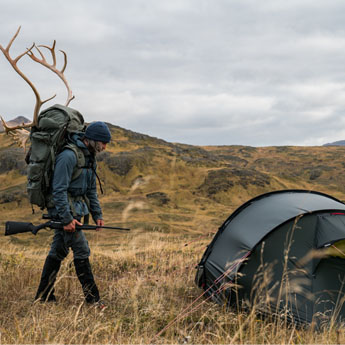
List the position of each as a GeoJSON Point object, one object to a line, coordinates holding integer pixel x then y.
{"type": "Point", "coordinates": [100, 146]}
{"type": "Point", "coordinates": [95, 146]}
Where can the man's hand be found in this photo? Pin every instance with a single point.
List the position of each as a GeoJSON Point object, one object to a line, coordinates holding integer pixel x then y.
{"type": "Point", "coordinates": [71, 226]}
{"type": "Point", "coordinates": [100, 222]}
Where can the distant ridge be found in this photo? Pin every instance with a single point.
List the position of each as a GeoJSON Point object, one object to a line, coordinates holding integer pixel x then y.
{"type": "Point", "coordinates": [16, 121]}
{"type": "Point", "coordinates": [336, 143]}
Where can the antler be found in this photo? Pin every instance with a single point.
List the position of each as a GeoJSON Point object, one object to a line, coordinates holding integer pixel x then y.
{"type": "Point", "coordinates": [20, 136]}
{"type": "Point", "coordinates": [52, 66]}
{"type": "Point", "coordinates": [13, 62]}
{"type": "Point", "coordinates": [42, 61]}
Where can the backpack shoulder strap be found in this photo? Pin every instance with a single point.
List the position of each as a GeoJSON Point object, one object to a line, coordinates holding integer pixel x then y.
{"type": "Point", "coordinates": [80, 159]}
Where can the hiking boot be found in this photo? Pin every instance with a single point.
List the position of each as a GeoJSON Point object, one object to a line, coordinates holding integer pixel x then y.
{"type": "Point", "coordinates": [51, 299]}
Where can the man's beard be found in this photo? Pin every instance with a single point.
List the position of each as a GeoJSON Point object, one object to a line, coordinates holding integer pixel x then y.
{"type": "Point", "coordinates": [95, 146]}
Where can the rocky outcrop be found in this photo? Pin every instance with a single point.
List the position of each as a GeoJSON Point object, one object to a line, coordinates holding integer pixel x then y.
{"type": "Point", "coordinates": [158, 198]}
{"type": "Point", "coordinates": [11, 194]}
{"type": "Point", "coordinates": [217, 181]}
{"type": "Point", "coordinates": [194, 155]}
{"type": "Point", "coordinates": [12, 159]}
{"type": "Point", "coordinates": [223, 179]}
{"type": "Point", "coordinates": [122, 162]}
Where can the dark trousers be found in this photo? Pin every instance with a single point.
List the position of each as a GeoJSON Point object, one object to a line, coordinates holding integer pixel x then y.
{"type": "Point", "coordinates": [85, 276]}
{"type": "Point", "coordinates": [45, 291]}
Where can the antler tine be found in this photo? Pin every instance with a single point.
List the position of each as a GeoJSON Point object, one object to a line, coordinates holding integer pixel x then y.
{"type": "Point", "coordinates": [52, 67]}
{"type": "Point", "coordinates": [21, 137]}
{"type": "Point", "coordinates": [65, 61]}
{"type": "Point", "coordinates": [13, 63]}
{"type": "Point", "coordinates": [12, 40]}
{"type": "Point", "coordinates": [6, 128]}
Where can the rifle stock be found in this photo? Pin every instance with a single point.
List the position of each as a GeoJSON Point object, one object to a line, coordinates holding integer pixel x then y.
{"type": "Point", "coordinates": [12, 228]}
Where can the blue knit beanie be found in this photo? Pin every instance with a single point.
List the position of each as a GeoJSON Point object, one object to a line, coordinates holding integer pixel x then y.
{"type": "Point", "coordinates": [98, 131]}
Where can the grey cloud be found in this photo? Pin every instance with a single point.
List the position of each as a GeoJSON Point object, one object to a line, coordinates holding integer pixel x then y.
{"type": "Point", "coordinates": [194, 71]}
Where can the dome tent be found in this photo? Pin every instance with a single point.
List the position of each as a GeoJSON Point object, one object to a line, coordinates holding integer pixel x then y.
{"type": "Point", "coordinates": [267, 254]}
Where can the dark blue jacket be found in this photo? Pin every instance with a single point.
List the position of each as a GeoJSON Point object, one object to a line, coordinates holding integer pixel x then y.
{"type": "Point", "coordinates": [83, 185]}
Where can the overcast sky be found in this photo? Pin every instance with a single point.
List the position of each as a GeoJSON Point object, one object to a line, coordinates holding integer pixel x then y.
{"type": "Point", "coordinates": [201, 72]}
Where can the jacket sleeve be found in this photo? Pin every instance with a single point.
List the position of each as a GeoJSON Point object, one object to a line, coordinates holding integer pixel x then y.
{"type": "Point", "coordinates": [65, 163]}
{"type": "Point", "coordinates": [91, 194]}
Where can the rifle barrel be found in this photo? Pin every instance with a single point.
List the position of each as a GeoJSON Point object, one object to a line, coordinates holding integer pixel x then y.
{"type": "Point", "coordinates": [59, 225]}
{"type": "Point", "coordinates": [93, 227]}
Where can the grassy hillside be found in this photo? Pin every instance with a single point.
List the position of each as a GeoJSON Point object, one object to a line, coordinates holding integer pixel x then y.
{"type": "Point", "coordinates": [173, 197]}
{"type": "Point", "coordinates": [151, 184]}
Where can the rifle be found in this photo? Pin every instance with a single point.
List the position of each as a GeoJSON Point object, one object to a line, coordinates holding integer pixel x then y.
{"type": "Point", "coordinates": [12, 228]}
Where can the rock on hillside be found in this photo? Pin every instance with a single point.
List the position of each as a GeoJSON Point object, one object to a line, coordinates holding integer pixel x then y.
{"type": "Point", "coordinates": [224, 179]}
{"type": "Point", "coordinates": [12, 159]}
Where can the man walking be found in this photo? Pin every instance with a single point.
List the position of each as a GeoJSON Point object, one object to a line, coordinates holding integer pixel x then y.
{"type": "Point", "coordinates": [74, 196]}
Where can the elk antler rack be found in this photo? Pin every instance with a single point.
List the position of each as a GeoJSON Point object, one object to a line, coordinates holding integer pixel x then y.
{"type": "Point", "coordinates": [39, 101]}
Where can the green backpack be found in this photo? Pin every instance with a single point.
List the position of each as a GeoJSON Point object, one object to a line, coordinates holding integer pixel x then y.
{"type": "Point", "coordinates": [48, 139]}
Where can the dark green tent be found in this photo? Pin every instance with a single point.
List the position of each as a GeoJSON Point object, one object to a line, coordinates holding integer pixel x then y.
{"type": "Point", "coordinates": [270, 253]}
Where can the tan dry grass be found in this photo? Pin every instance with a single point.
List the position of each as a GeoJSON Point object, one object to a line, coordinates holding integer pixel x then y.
{"type": "Point", "coordinates": [147, 280]}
